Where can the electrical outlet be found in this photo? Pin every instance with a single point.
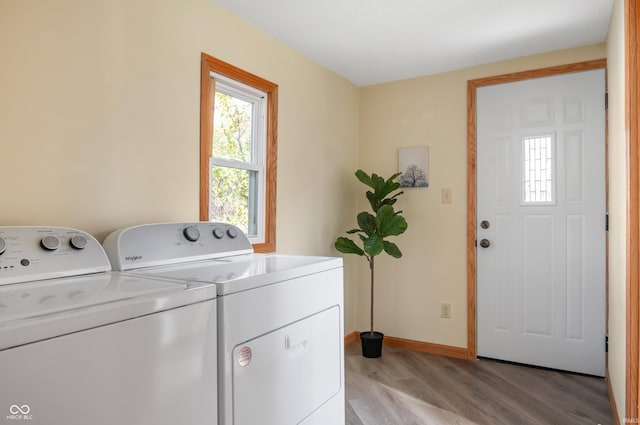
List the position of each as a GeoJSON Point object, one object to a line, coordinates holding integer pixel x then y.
{"type": "Point", "coordinates": [445, 310]}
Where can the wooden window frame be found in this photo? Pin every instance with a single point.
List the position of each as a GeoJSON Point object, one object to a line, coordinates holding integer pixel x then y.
{"type": "Point", "coordinates": [208, 65]}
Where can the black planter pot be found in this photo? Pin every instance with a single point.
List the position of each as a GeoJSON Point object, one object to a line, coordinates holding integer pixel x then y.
{"type": "Point", "coordinates": [371, 344]}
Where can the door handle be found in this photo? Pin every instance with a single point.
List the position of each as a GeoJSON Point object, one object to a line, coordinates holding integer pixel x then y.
{"type": "Point", "coordinates": [299, 339]}
{"type": "Point", "coordinates": [485, 243]}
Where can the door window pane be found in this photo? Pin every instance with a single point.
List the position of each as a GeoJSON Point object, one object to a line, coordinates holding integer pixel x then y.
{"type": "Point", "coordinates": [537, 171]}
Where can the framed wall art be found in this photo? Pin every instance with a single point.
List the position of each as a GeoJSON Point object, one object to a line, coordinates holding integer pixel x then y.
{"type": "Point", "coordinates": [413, 163]}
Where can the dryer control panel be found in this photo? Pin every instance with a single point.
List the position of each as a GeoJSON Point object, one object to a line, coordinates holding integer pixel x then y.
{"type": "Point", "coordinates": [29, 253]}
{"type": "Point", "coordinates": [160, 244]}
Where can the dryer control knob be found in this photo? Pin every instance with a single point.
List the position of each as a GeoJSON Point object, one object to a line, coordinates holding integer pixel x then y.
{"type": "Point", "coordinates": [3, 246]}
{"type": "Point", "coordinates": [191, 233]}
{"type": "Point", "coordinates": [78, 242]}
{"type": "Point", "coordinates": [50, 243]}
{"type": "Point", "coordinates": [233, 233]}
{"type": "Point", "coordinates": [218, 233]}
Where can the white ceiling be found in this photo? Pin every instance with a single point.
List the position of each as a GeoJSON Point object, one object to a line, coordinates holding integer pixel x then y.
{"type": "Point", "coordinates": [375, 41]}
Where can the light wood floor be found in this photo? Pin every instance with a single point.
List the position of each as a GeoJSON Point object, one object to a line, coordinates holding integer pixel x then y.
{"type": "Point", "coordinates": [405, 387]}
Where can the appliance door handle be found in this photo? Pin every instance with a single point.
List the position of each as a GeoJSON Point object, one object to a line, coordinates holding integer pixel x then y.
{"type": "Point", "coordinates": [299, 339]}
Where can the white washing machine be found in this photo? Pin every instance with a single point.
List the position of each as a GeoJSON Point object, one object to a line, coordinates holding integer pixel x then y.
{"type": "Point", "coordinates": [80, 344]}
{"type": "Point", "coordinates": [280, 318]}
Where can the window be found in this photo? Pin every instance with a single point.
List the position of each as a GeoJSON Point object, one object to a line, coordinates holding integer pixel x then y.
{"type": "Point", "coordinates": [237, 161]}
{"type": "Point", "coordinates": [238, 140]}
{"type": "Point", "coordinates": [538, 170]}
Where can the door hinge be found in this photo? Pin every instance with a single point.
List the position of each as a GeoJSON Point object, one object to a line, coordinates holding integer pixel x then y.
{"type": "Point", "coordinates": [606, 101]}
{"type": "Point", "coordinates": [606, 343]}
{"type": "Point", "coordinates": [606, 222]}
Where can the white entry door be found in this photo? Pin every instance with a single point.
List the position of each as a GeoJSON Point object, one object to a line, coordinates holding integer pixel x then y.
{"type": "Point", "coordinates": [541, 222]}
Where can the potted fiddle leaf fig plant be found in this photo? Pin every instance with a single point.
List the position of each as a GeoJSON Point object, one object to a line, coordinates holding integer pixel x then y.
{"type": "Point", "coordinates": [373, 232]}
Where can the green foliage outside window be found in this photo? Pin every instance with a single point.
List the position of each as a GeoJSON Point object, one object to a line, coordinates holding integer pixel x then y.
{"type": "Point", "coordinates": [232, 126]}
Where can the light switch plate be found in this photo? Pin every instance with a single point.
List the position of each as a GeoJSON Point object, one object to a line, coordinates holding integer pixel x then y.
{"type": "Point", "coordinates": [446, 196]}
{"type": "Point", "coordinates": [445, 311]}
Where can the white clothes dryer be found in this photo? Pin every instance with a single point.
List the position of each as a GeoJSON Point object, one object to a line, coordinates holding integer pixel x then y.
{"type": "Point", "coordinates": [280, 318]}
{"type": "Point", "coordinates": [80, 344]}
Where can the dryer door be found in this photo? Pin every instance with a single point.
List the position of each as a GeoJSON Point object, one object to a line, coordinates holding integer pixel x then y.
{"type": "Point", "coordinates": [284, 376]}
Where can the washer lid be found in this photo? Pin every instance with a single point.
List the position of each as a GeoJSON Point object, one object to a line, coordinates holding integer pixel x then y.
{"type": "Point", "coordinates": [244, 272]}
{"type": "Point", "coordinates": [40, 298]}
{"type": "Point", "coordinates": [39, 310]}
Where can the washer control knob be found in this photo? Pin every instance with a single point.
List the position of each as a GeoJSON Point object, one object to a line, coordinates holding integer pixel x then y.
{"type": "Point", "coordinates": [3, 246]}
{"type": "Point", "coordinates": [218, 233]}
{"type": "Point", "coordinates": [50, 243]}
{"type": "Point", "coordinates": [232, 232]}
{"type": "Point", "coordinates": [191, 233]}
{"type": "Point", "coordinates": [78, 242]}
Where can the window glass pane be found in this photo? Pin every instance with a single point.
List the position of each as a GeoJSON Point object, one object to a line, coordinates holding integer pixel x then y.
{"type": "Point", "coordinates": [537, 170]}
{"type": "Point", "coordinates": [232, 129]}
{"type": "Point", "coordinates": [234, 198]}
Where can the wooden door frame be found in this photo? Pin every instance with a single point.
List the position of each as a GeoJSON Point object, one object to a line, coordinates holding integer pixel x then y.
{"type": "Point", "coordinates": [472, 86]}
{"type": "Point", "coordinates": [632, 108]}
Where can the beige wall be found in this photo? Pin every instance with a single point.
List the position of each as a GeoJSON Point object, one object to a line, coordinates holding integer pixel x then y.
{"type": "Point", "coordinates": [99, 119]}
{"type": "Point", "coordinates": [429, 111]}
{"type": "Point", "coordinates": [617, 205]}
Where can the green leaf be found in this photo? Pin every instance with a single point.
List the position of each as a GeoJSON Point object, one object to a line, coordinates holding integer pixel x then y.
{"type": "Point", "coordinates": [364, 178]}
{"type": "Point", "coordinates": [388, 201]}
{"type": "Point", "coordinates": [392, 249]}
{"type": "Point", "coordinates": [388, 186]}
{"type": "Point", "coordinates": [367, 223]}
{"type": "Point", "coordinates": [347, 246]}
{"type": "Point", "coordinates": [381, 189]}
{"type": "Point", "coordinates": [373, 245]}
{"type": "Point", "coordinates": [377, 184]}
{"type": "Point", "coordinates": [352, 231]}
{"type": "Point", "coordinates": [373, 201]}
{"type": "Point", "coordinates": [390, 223]}
{"type": "Point", "coordinates": [396, 195]}
{"type": "Point", "coordinates": [392, 200]}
